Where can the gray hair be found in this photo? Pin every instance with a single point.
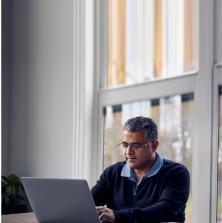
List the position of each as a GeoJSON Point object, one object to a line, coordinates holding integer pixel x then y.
{"type": "Point", "coordinates": [147, 124]}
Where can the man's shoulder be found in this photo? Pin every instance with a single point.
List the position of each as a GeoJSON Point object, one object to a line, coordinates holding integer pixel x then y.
{"type": "Point", "coordinates": [114, 168]}
{"type": "Point", "coordinates": [170, 165]}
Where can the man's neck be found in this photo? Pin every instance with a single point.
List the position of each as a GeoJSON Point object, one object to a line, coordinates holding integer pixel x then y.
{"type": "Point", "coordinates": [139, 173]}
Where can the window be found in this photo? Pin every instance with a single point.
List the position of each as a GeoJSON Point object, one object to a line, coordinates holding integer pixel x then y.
{"type": "Point", "coordinates": [150, 39]}
{"type": "Point", "coordinates": [173, 115]}
{"type": "Point", "coordinates": [151, 48]}
{"type": "Point", "coordinates": [155, 57]}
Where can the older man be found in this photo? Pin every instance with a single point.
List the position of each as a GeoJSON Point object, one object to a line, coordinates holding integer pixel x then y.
{"type": "Point", "coordinates": [145, 187]}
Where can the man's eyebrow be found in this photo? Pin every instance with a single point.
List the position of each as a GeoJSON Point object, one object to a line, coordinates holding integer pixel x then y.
{"type": "Point", "coordinates": [131, 142]}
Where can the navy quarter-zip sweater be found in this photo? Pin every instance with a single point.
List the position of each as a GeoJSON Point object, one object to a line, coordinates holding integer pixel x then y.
{"type": "Point", "coordinates": [160, 198]}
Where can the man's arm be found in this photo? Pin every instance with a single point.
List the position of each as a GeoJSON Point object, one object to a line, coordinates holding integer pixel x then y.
{"type": "Point", "coordinates": [100, 191]}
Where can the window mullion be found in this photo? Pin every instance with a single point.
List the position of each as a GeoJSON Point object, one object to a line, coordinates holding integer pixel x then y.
{"type": "Point", "coordinates": [215, 143]}
{"type": "Point", "coordinates": [155, 89]}
{"type": "Point", "coordinates": [203, 116]}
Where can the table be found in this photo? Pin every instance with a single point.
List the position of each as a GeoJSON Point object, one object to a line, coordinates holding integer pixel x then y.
{"type": "Point", "coordinates": [27, 218]}
{"type": "Point", "coordinates": [19, 218]}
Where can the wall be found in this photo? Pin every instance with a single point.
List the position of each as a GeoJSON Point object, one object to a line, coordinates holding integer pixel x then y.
{"type": "Point", "coordinates": [6, 85]}
{"type": "Point", "coordinates": [218, 32]}
{"type": "Point", "coordinates": [41, 88]}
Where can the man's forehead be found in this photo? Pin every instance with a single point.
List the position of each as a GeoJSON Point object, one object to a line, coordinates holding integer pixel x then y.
{"type": "Point", "coordinates": [137, 134]}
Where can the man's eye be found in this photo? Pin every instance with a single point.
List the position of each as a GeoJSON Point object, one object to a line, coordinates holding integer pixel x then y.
{"type": "Point", "coordinates": [136, 145]}
{"type": "Point", "coordinates": [125, 145]}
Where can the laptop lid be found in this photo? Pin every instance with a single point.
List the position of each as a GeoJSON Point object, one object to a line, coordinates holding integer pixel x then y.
{"type": "Point", "coordinates": [60, 200]}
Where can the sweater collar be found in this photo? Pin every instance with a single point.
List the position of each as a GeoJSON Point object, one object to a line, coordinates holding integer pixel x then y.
{"type": "Point", "coordinates": [127, 172]}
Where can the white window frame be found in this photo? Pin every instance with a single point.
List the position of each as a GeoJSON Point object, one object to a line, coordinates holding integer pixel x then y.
{"type": "Point", "coordinates": [200, 83]}
{"type": "Point", "coordinates": [84, 93]}
{"type": "Point", "coordinates": [217, 80]}
{"type": "Point", "coordinates": [215, 145]}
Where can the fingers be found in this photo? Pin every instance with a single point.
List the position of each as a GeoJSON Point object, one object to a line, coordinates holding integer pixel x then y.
{"type": "Point", "coordinates": [100, 210]}
{"type": "Point", "coordinates": [104, 217]}
{"type": "Point", "coordinates": [105, 214]}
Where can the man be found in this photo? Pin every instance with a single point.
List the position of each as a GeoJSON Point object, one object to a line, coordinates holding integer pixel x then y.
{"type": "Point", "coordinates": [144, 188]}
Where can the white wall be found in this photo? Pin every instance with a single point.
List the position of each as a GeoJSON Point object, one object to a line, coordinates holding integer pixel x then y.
{"type": "Point", "coordinates": [218, 32]}
{"type": "Point", "coordinates": [41, 130]}
{"type": "Point", "coordinates": [6, 84]}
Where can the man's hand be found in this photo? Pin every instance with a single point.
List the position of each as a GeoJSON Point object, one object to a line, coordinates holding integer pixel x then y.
{"type": "Point", "coordinates": [105, 214]}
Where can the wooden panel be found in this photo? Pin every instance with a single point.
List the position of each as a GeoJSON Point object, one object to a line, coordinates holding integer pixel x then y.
{"type": "Point", "coordinates": [158, 33]}
{"type": "Point", "coordinates": [19, 218]}
{"type": "Point", "coordinates": [189, 60]}
{"type": "Point", "coordinates": [116, 42]}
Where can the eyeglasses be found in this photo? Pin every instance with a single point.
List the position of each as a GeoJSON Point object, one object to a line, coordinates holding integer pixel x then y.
{"type": "Point", "coordinates": [134, 146]}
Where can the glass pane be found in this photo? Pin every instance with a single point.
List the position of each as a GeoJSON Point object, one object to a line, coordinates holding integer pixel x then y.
{"type": "Point", "coordinates": [150, 39]}
{"type": "Point", "coordinates": [174, 117]}
{"type": "Point", "coordinates": [219, 199]}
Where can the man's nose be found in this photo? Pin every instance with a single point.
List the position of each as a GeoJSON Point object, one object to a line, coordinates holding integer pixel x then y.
{"type": "Point", "coordinates": [129, 149]}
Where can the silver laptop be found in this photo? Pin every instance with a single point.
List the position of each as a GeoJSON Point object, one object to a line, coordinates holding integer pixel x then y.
{"type": "Point", "coordinates": [60, 200]}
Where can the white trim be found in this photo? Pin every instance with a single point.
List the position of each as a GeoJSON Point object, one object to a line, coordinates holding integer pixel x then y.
{"type": "Point", "coordinates": [78, 88]}
{"type": "Point", "coordinates": [103, 41]}
{"type": "Point", "coordinates": [89, 90]}
{"type": "Point", "coordinates": [149, 90]}
{"type": "Point", "coordinates": [215, 146]}
{"type": "Point", "coordinates": [100, 133]}
{"type": "Point", "coordinates": [218, 31]}
{"type": "Point", "coordinates": [96, 156]}
{"type": "Point", "coordinates": [84, 96]}
{"type": "Point", "coordinates": [74, 83]}
{"type": "Point", "coordinates": [203, 116]}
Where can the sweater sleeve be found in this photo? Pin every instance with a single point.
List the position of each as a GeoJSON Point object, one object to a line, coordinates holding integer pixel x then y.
{"type": "Point", "coordinates": [100, 190]}
{"type": "Point", "coordinates": [172, 201]}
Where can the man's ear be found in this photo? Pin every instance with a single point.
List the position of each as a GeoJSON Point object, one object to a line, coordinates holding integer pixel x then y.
{"type": "Point", "coordinates": [155, 144]}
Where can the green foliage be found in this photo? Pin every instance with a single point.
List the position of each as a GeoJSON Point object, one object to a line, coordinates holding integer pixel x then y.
{"type": "Point", "coordinates": [14, 199]}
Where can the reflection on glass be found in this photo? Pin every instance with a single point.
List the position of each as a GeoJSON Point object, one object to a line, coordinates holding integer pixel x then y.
{"type": "Point", "coordinates": [219, 199]}
{"type": "Point", "coordinates": [174, 117]}
{"type": "Point", "coordinates": [150, 39]}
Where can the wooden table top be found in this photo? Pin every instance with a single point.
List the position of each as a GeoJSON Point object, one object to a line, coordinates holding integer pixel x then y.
{"type": "Point", "coordinates": [27, 218]}
{"type": "Point", "coordinates": [19, 218]}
